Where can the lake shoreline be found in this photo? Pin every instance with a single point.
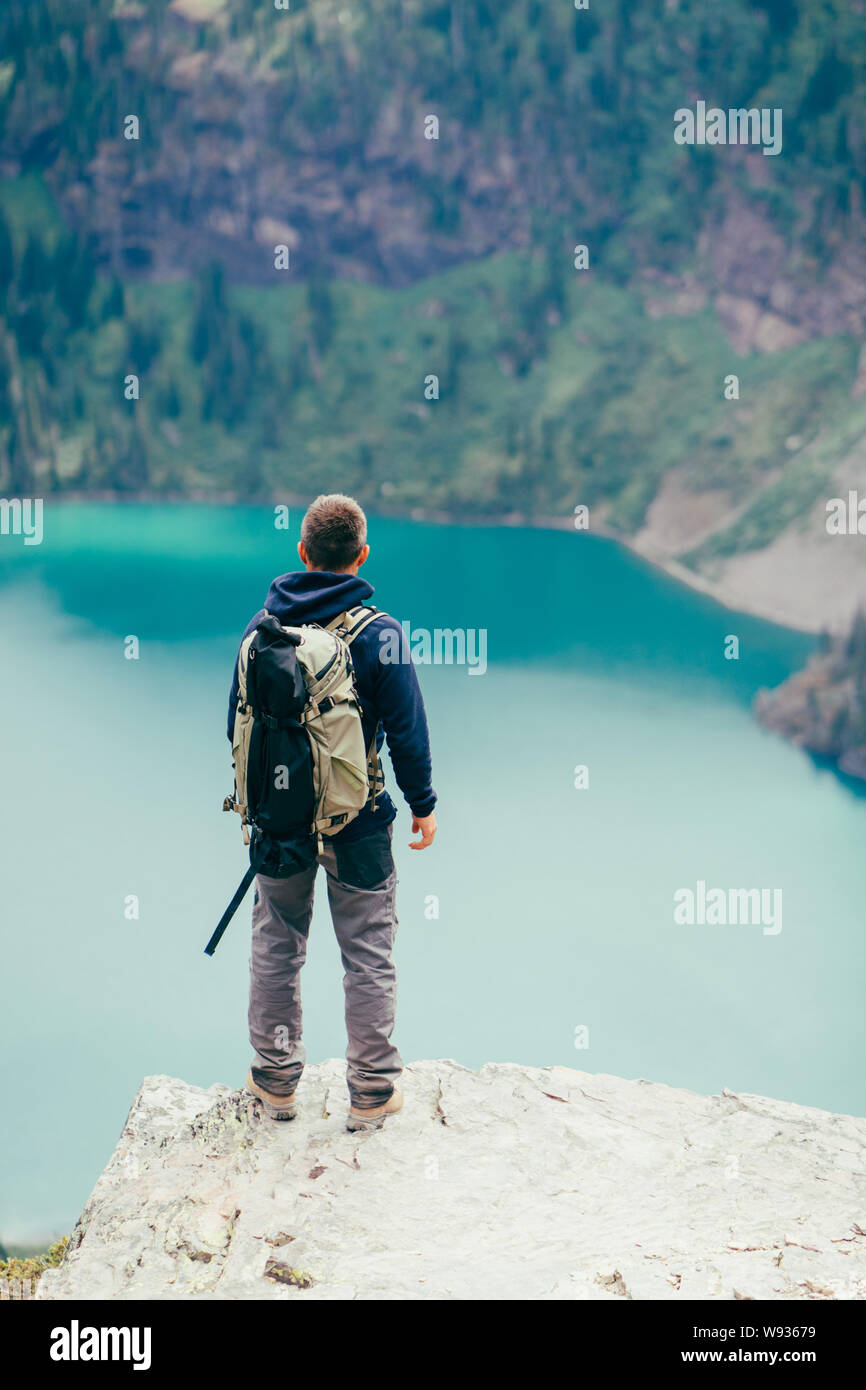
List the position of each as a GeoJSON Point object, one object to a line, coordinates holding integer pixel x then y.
{"type": "Point", "coordinates": [680, 573]}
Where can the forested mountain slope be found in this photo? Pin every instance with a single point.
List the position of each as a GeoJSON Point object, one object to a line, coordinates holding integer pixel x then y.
{"type": "Point", "coordinates": [411, 257]}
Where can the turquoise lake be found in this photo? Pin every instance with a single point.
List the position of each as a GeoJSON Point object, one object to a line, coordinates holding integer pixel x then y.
{"type": "Point", "coordinates": [556, 905]}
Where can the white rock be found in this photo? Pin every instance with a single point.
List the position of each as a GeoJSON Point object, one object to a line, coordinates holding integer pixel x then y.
{"type": "Point", "coordinates": [510, 1183]}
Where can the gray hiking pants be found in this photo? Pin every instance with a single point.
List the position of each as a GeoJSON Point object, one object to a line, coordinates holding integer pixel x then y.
{"type": "Point", "coordinates": [362, 885]}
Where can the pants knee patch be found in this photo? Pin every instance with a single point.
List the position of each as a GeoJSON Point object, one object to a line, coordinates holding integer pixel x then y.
{"type": "Point", "coordinates": [366, 863]}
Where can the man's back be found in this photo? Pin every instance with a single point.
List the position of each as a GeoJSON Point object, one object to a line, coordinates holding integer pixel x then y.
{"type": "Point", "coordinates": [391, 702]}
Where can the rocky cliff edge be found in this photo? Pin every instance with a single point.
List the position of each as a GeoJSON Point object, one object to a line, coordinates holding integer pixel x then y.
{"type": "Point", "coordinates": [510, 1182]}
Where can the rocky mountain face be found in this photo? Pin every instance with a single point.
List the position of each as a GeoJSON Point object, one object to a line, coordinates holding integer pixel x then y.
{"type": "Point", "coordinates": [512, 1182]}
{"type": "Point", "coordinates": [823, 708]}
{"type": "Point", "coordinates": [389, 143]}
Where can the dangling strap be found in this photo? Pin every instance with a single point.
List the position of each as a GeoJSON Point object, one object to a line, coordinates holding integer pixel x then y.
{"type": "Point", "coordinates": [230, 911]}
{"type": "Point", "coordinates": [373, 772]}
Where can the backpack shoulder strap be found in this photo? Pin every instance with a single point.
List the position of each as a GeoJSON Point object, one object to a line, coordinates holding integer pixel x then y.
{"type": "Point", "coordinates": [352, 623]}
{"type": "Point", "coordinates": [243, 663]}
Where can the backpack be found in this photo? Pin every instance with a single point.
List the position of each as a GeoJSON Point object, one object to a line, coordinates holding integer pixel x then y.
{"type": "Point", "coordinates": [302, 770]}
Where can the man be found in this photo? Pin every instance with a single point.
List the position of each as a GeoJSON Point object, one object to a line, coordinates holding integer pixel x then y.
{"type": "Point", "coordinates": [357, 860]}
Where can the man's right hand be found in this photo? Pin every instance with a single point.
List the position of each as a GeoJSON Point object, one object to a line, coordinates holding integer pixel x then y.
{"type": "Point", "coordinates": [426, 827]}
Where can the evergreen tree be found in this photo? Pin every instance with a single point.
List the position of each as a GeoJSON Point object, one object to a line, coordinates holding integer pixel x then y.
{"type": "Point", "coordinates": [320, 305]}
{"type": "Point", "coordinates": [7, 257]}
{"type": "Point", "coordinates": [74, 273]}
{"type": "Point", "coordinates": [208, 310]}
{"type": "Point", "coordinates": [114, 305]}
{"type": "Point", "coordinates": [34, 277]}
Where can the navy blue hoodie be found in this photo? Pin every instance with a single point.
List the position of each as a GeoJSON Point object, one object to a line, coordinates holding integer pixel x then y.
{"type": "Point", "coordinates": [389, 692]}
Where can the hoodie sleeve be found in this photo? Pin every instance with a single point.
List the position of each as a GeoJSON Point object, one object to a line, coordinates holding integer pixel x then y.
{"type": "Point", "coordinates": [401, 707]}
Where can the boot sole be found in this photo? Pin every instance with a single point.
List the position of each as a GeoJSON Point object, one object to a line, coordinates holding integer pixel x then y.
{"type": "Point", "coordinates": [273, 1112]}
{"type": "Point", "coordinates": [358, 1124]}
{"type": "Point", "coordinates": [281, 1113]}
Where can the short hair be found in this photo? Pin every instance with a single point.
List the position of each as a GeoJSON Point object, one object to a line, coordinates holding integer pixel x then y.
{"type": "Point", "coordinates": [333, 531]}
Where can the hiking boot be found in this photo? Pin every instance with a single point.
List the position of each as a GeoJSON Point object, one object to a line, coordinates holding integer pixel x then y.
{"type": "Point", "coordinates": [360, 1120]}
{"type": "Point", "coordinates": [277, 1107]}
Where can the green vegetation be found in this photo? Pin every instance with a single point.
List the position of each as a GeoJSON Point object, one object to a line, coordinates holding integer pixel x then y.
{"type": "Point", "coordinates": [555, 385]}
{"type": "Point", "coordinates": [27, 1268]}
{"type": "Point", "coordinates": [837, 423]}
{"type": "Point", "coordinates": [268, 392]}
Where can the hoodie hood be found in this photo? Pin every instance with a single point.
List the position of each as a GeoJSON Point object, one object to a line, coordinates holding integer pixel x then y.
{"type": "Point", "coordinates": [315, 596]}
